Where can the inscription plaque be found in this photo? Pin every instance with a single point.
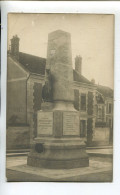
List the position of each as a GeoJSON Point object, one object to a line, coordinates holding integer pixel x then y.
{"type": "Point", "coordinates": [45, 123]}
{"type": "Point", "coordinates": [71, 123]}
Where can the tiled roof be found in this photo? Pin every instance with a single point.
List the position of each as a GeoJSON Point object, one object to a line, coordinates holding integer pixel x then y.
{"type": "Point", "coordinates": [80, 78]}
{"type": "Point", "coordinates": [32, 63]}
{"type": "Point", "coordinates": [36, 65]}
{"type": "Point", "coordinates": [106, 91]}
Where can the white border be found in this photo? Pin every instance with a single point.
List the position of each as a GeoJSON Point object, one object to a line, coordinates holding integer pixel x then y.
{"type": "Point", "coordinates": [38, 188]}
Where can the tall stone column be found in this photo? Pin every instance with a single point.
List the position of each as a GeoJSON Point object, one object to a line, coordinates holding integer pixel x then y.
{"type": "Point", "coordinates": [59, 61]}
{"type": "Point", "coordinates": [58, 143]}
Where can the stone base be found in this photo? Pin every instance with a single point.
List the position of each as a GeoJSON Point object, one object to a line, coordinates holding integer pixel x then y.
{"type": "Point", "coordinates": [58, 155]}
{"type": "Point", "coordinates": [58, 144]}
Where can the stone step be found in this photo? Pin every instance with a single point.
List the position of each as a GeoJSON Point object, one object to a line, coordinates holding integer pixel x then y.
{"type": "Point", "coordinates": [17, 154]}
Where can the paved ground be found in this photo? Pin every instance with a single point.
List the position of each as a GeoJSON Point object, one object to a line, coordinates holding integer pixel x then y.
{"type": "Point", "coordinates": [100, 170]}
{"type": "Point", "coordinates": [102, 152]}
{"type": "Point", "coordinates": [14, 176]}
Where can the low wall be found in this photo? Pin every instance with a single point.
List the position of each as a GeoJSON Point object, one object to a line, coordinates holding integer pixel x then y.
{"type": "Point", "coordinates": [18, 137]}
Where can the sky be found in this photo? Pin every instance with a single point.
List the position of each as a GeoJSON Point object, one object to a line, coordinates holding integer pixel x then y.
{"type": "Point", "coordinates": [92, 37]}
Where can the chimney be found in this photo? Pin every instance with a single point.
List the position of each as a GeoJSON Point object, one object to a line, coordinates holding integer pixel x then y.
{"type": "Point", "coordinates": [78, 64]}
{"type": "Point", "coordinates": [15, 47]}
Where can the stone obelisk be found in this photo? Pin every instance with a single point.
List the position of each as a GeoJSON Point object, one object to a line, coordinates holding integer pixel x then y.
{"type": "Point", "coordinates": [58, 144]}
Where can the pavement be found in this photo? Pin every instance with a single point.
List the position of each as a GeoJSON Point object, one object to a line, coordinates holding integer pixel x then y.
{"type": "Point", "coordinates": [99, 170]}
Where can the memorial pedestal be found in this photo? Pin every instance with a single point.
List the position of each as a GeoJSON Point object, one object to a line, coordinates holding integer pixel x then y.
{"type": "Point", "coordinates": [58, 144]}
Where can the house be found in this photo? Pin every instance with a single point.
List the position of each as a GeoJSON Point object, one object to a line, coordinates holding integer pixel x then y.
{"type": "Point", "coordinates": [25, 78]}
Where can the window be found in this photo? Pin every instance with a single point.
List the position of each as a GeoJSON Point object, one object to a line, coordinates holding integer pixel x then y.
{"type": "Point", "coordinates": [83, 102]}
{"type": "Point", "coordinates": [100, 114]}
{"type": "Point", "coordinates": [110, 108]}
{"type": "Point", "coordinates": [82, 128]}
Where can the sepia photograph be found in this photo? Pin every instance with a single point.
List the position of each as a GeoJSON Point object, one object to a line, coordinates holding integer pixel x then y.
{"type": "Point", "coordinates": [60, 92]}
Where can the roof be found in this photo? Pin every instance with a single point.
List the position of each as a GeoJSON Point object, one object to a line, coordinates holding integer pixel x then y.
{"type": "Point", "coordinates": [35, 64]}
{"type": "Point", "coordinates": [80, 78]}
{"type": "Point", "coordinates": [106, 91]}
{"type": "Point", "coordinates": [32, 63]}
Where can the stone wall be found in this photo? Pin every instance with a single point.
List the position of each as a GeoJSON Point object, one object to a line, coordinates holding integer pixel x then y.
{"type": "Point", "coordinates": [17, 137]}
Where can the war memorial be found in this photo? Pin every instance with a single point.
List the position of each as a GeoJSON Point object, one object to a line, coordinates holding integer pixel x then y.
{"type": "Point", "coordinates": [58, 144]}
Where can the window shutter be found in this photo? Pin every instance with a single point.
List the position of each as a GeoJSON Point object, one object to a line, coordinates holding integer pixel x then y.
{"type": "Point", "coordinates": [76, 99]}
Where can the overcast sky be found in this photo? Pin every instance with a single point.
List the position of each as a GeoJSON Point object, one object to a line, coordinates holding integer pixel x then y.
{"type": "Point", "coordinates": [92, 37]}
